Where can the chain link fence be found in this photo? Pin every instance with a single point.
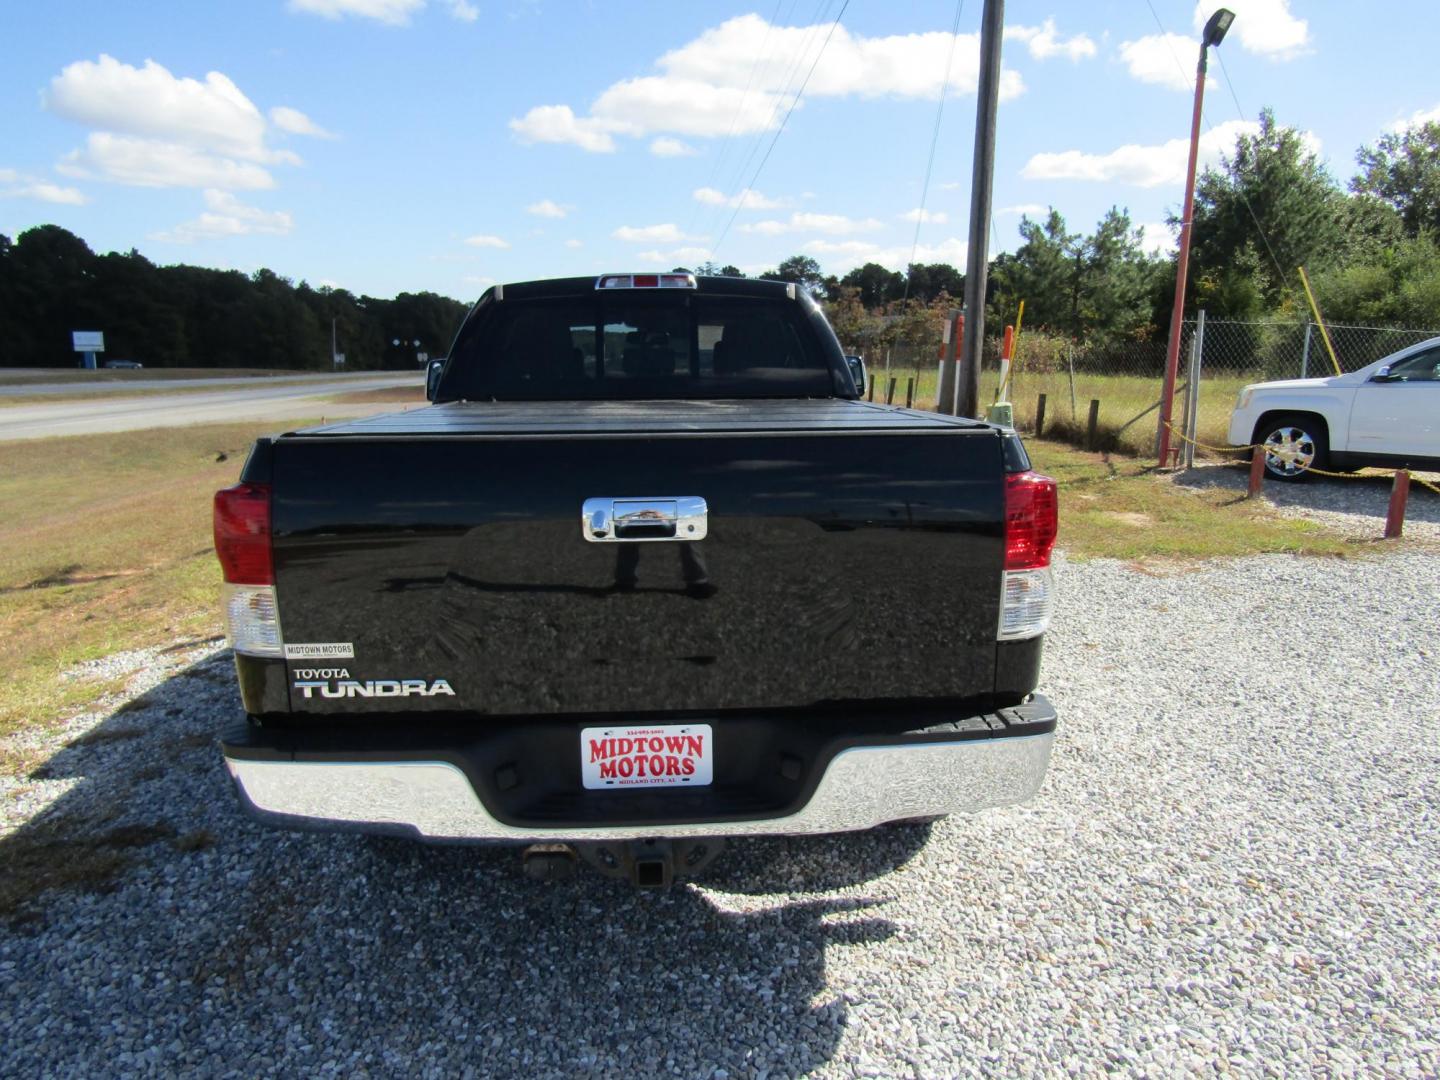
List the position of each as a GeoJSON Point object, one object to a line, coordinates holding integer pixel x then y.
{"type": "Point", "coordinates": [1126, 377]}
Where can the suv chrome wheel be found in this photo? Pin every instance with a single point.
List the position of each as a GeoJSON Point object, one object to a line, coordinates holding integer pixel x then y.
{"type": "Point", "coordinates": [1290, 451]}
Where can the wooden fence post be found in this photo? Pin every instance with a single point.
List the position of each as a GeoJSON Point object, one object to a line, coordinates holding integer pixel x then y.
{"type": "Point", "coordinates": [1257, 471]}
{"type": "Point", "coordinates": [910, 392]}
{"type": "Point", "coordinates": [1399, 496]}
{"type": "Point", "coordinates": [1040, 417]}
{"type": "Point", "coordinates": [1093, 424]}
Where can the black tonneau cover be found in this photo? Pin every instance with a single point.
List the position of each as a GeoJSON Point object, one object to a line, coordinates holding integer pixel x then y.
{"type": "Point", "coordinates": [831, 416]}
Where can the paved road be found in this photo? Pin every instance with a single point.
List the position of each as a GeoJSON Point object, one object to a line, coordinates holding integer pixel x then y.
{"type": "Point", "coordinates": [98, 387]}
{"type": "Point", "coordinates": [248, 401]}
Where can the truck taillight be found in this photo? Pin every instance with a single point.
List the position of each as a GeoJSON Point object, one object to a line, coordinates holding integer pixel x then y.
{"type": "Point", "coordinates": [242, 544]}
{"type": "Point", "coordinates": [1031, 519]}
{"type": "Point", "coordinates": [1032, 514]}
{"type": "Point", "coordinates": [242, 534]}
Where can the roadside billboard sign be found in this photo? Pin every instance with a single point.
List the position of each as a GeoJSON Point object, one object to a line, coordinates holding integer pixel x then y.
{"type": "Point", "coordinates": [88, 340]}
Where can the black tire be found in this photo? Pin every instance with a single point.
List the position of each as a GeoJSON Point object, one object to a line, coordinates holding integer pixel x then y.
{"type": "Point", "coordinates": [1293, 444]}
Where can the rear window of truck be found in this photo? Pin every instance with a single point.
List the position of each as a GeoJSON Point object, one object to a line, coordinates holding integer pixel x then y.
{"type": "Point", "coordinates": [631, 346]}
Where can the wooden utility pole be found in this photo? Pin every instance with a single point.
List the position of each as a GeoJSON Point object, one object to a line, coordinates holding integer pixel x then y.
{"type": "Point", "coordinates": [977, 263]}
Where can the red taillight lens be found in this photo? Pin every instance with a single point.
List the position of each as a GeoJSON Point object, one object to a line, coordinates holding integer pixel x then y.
{"type": "Point", "coordinates": [1032, 514]}
{"type": "Point", "coordinates": [242, 534]}
{"type": "Point", "coordinates": [646, 281]}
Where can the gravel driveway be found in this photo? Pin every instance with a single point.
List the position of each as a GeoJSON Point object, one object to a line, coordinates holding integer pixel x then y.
{"type": "Point", "coordinates": [1232, 866]}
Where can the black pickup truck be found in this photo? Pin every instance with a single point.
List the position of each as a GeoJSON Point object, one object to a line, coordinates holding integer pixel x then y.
{"type": "Point", "coordinates": [647, 574]}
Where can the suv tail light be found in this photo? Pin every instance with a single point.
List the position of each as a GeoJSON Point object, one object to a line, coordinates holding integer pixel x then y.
{"type": "Point", "coordinates": [1031, 519]}
{"type": "Point", "coordinates": [242, 544]}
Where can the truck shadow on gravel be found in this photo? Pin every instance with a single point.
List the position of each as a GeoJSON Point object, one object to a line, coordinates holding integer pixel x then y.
{"type": "Point", "coordinates": [172, 933]}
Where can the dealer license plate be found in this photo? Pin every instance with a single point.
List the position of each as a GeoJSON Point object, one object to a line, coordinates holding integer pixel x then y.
{"type": "Point", "coordinates": [656, 755]}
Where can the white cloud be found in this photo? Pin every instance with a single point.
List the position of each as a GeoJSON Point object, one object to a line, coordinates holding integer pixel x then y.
{"type": "Point", "coordinates": [902, 65]}
{"type": "Point", "coordinates": [548, 208]}
{"type": "Point", "coordinates": [1416, 119]}
{"type": "Point", "coordinates": [1044, 42]}
{"type": "Point", "coordinates": [837, 257]}
{"type": "Point", "coordinates": [394, 12]}
{"type": "Point", "coordinates": [1143, 166]}
{"type": "Point", "coordinates": [484, 241]}
{"type": "Point", "coordinates": [1157, 238]}
{"type": "Point", "coordinates": [656, 103]}
{"type": "Point", "coordinates": [559, 124]}
{"type": "Point", "coordinates": [226, 216]}
{"type": "Point", "coordinates": [801, 221]}
{"type": "Point", "coordinates": [668, 147]}
{"type": "Point", "coordinates": [463, 10]}
{"type": "Point", "coordinates": [150, 163]}
{"type": "Point", "coordinates": [155, 129]}
{"type": "Point", "coordinates": [1266, 27]}
{"type": "Point", "coordinates": [935, 217]}
{"type": "Point", "coordinates": [17, 185]}
{"type": "Point", "coordinates": [574, 243]}
{"type": "Point", "coordinates": [676, 257]}
{"type": "Point", "coordinates": [1028, 209]}
{"type": "Point", "coordinates": [651, 234]}
{"type": "Point", "coordinates": [747, 199]}
{"type": "Point", "coordinates": [1162, 59]}
{"type": "Point", "coordinates": [480, 280]}
{"type": "Point", "coordinates": [703, 91]}
{"type": "Point", "coordinates": [297, 123]}
{"type": "Point", "coordinates": [214, 115]}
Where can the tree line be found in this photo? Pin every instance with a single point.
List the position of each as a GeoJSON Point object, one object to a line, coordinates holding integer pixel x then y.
{"type": "Point", "coordinates": [51, 283]}
{"type": "Point", "coordinates": [1371, 247]}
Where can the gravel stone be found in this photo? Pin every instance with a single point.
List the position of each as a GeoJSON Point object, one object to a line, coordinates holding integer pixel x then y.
{"type": "Point", "coordinates": [1232, 867]}
{"type": "Point", "coordinates": [1354, 506]}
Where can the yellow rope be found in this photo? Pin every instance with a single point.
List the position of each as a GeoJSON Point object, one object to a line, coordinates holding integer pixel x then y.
{"type": "Point", "coordinates": [1309, 468]}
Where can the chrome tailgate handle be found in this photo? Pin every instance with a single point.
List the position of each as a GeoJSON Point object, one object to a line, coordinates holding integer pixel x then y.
{"type": "Point", "coordinates": [641, 520]}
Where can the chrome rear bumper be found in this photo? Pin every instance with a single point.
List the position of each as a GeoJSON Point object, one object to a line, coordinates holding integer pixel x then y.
{"type": "Point", "coordinates": [861, 787]}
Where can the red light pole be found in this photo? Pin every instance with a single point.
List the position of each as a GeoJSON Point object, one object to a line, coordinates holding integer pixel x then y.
{"type": "Point", "coordinates": [1213, 34]}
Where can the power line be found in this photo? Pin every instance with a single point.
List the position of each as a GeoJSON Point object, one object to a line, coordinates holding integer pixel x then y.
{"type": "Point", "coordinates": [783, 91]}
{"type": "Point", "coordinates": [744, 97]}
{"type": "Point", "coordinates": [934, 141]}
{"type": "Point", "coordinates": [781, 130]}
{"type": "Point", "coordinates": [1240, 190]}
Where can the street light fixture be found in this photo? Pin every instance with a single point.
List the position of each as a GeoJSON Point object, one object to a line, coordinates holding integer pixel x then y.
{"type": "Point", "coordinates": [1216, 29]}
{"type": "Point", "coordinates": [1214, 33]}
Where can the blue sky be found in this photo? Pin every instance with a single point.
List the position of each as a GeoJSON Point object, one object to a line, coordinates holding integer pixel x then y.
{"type": "Point", "coordinates": [388, 145]}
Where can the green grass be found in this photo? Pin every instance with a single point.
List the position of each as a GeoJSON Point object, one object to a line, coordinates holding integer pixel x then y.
{"type": "Point", "coordinates": [1121, 397]}
{"type": "Point", "coordinates": [105, 545]}
{"type": "Point", "coordinates": [1121, 508]}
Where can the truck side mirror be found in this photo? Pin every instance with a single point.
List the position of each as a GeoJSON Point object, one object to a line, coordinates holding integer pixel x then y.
{"type": "Point", "coordinates": [432, 378]}
{"type": "Point", "coordinates": [857, 372]}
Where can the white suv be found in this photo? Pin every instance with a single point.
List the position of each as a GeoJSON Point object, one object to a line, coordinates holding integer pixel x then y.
{"type": "Point", "coordinates": [1387, 414]}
